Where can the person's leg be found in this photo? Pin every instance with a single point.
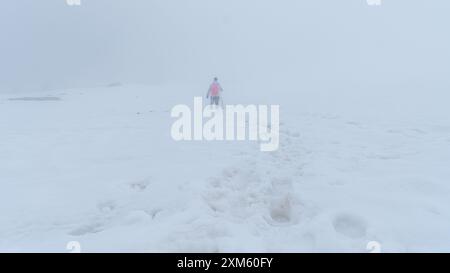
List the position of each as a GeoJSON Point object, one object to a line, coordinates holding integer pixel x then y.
{"type": "Point", "coordinates": [216, 100]}
{"type": "Point", "coordinates": [212, 100]}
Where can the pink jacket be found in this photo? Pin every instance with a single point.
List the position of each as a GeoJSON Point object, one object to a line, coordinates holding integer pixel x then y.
{"type": "Point", "coordinates": [214, 89]}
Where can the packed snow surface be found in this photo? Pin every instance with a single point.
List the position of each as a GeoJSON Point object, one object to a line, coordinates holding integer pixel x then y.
{"type": "Point", "coordinates": [98, 166]}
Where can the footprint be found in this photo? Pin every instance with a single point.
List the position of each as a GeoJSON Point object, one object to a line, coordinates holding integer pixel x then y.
{"type": "Point", "coordinates": [230, 173]}
{"type": "Point", "coordinates": [280, 210]}
{"type": "Point", "coordinates": [356, 124]}
{"type": "Point", "coordinates": [309, 240]}
{"type": "Point", "coordinates": [154, 212]}
{"type": "Point", "coordinates": [107, 206]}
{"type": "Point", "coordinates": [337, 183]}
{"type": "Point", "coordinates": [328, 116]}
{"type": "Point", "coordinates": [350, 225]}
{"type": "Point", "coordinates": [86, 229]}
{"type": "Point", "coordinates": [140, 185]}
{"type": "Point", "coordinates": [281, 184]}
{"type": "Point", "coordinates": [418, 131]}
{"type": "Point", "coordinates": [136, 217]}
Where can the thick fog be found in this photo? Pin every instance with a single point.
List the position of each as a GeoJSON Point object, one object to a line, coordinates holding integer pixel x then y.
{"type": "Point", "coordinates": [49, 44]}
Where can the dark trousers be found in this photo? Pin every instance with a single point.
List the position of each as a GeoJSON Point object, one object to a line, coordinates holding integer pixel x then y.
{"type": "Point", "coordinates": [215, 100]}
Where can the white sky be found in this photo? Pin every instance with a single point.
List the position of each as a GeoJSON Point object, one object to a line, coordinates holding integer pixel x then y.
{"type": "Point", "coordinates": [50, 44]}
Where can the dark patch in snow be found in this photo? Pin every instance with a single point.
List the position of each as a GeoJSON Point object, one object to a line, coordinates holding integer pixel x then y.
{"type": "Point", "coordinates": [114, 84]}
{"type": "Point", "coordinates": [35, 99]}
{"type": "Point", "coordinates": [87, 229]}
{"type": "Point", "coordinates": [350, 226]}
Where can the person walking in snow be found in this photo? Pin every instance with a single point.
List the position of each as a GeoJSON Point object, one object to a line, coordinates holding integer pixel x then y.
{"type": "Point", "coordinates": [214, 92]}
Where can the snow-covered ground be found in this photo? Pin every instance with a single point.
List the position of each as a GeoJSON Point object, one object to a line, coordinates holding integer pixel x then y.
{"type": "Point", "coordinates": [99, 166]}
